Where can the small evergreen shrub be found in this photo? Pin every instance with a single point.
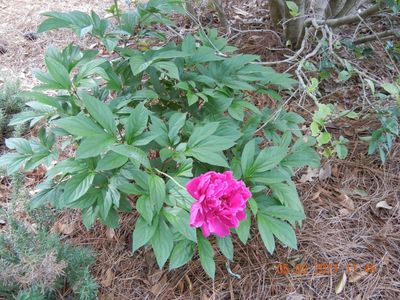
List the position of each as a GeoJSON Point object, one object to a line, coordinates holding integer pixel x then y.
{"type": "Point", "coordinates": [147, 119]}
{"type": "Point", "coordinates": [35, 263]}
{"type": "Point", "coordinates": [11, 103]}
{"type": "Point", "coordinates": [38, 265]}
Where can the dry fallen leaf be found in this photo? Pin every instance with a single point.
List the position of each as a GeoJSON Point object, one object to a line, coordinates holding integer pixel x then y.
{"type": "Point", "coordinates": [383, 204]}
{"type": "Point", "coordinates": [309, 176]}
{"type": "Point", "coordinates": [357, 276]}
{"type": "Point", "coordinates": [335, 171]}
{"type": "Point", "coordinates": [341, 284]}
{"type": "Point", "coordinates": [63, 228]}
{"type": "Point", "coordinates": [156, 288]}
{"type": "Point", "coordinates": [108, 279]}
{"type": "Point", "coordinates": [346, 202]}
{"type": "Point", "coordinates": [325, 172]}
{"type": "Point", "coordinates": [189, 282]}
{"type": "Point", "coordinates": [110, 233]}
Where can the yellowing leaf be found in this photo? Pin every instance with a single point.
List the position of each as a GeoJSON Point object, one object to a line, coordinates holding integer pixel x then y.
{"type": "Point", "coordinates": [341, 284]}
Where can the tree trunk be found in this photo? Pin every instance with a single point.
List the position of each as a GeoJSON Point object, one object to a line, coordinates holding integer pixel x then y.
{"type": "Point", "coordinates": [320, 10]}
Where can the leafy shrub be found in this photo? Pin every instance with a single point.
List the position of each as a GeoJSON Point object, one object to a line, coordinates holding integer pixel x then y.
{"type": "Point", "coordinates": [143, 122]}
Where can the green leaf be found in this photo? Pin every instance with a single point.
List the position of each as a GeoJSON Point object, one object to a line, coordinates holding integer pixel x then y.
{"type": "Point", "coordinates": [112, 219]}
{"type": "Point", "coordinates": [89, 216]}
{"type": "Point", "coordinates": [341, 151]}
{"type": "Point", "coordinates": [77, 186]}
{"type": "Point", "coordinates": [100, 112]}
{"type": "Point", "coordinates": [168, 66]}
{"type": "Point", "coordinates": [247, 158]}
{"type": "Point", "coordinates": [253, 206]}
{"type": "Point", "coordinates": [110, 196]}
{"type": "Point", "coordinates": [93, 146]}
{"type": "Point", "coordinates": [133, 153]}
{"type": "Point", "coordinates": [189, 44]}
{"type": "Point", "coordinates": [86, 200]}
{"type": "Point", "coordinates": [111, 160]}
{"type": "Point", "coordinates": [175, 124]}
{"type": "Point", "coordinates": [143, 232]}
{"type": "Point", "coordinates": [43, 98]}
{"type": "Point", "coordinates": [209, 157]}
{"type": "Point", "coordinates": [269, 158]}
{"type": "Point", "coordinates": [185, 168]}
{"type": "Point", "coordinates": [206, 254]}
{"type": "Point", "coordinates": [243, 231]}
{"type": "Point", "coordinates": [293, 8]}
{"type": "Point", "coordinates": [313, 87]}
{"type": "Point", "coordinates": [145, 207]}
{"type": "Point", "coordinates": [226, 246]}
{"type": "Point", "coordinates": [79, 126]}
{"type": "Point", "coordinates": [282, 230]}
{"type": "Point", "coordinates": [201, 133]}
{"type": "Point", "coordinates": [157, 191]}
{"type": "Point", "coordinates": [21, 145]}
{"type": "Point", "coordinates": [284, 213]}
{"type": "Point", "coordinates": [303, 157]}
{"type": "Point", "coordinates": [287, 195]}
{"type": "Point", "coordinates": [179, 219]}
{"type": "Point", "coordinates": [324, 138]}
{"type": "Point", "coordinates": [53, 23]}
{"type": "Point", "coordinates": [24, 116]}
{"type": "Point", "coordinates": [266, 233]}
{"type": "Point", "coordinates": [391, 88]}
{"type": "Point", "coordinates": [58, 72]}
{"type": "Point", "coordinates": [13, 161]}
{"type": "Point", "coordinates": [136, 123]}
{"type": "Point", "coordinates": [192, 98]}
{"type": "Point", "coordinates": [181, 254]}
{"type": "Point", "coordinates": [162, 243]}
{"type": "Point", "coordinates": [344, 75]}
{"type": "Point", "coordinates": [139, 64]}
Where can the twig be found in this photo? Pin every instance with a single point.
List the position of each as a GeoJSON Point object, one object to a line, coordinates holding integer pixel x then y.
{"type": "Point", "coordinates": [258, 30]}
{"type": "Point", "coordinates": [300, 66]}
{"type": "Point", "coordinates": [377, 36]}
{"type": "Point", "coordinates": [292, 58]}
{"type": "Point", "coordinates": [396, 33]}
{"type": "Point", "coordinates": [195, 20]}
{"type": "Point", "coordinates": [276, 112]}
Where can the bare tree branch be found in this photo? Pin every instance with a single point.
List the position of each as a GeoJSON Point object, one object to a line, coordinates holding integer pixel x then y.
{"type": "Point", "coordinates": [352, 18]}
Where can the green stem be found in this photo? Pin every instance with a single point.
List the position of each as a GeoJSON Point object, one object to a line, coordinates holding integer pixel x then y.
{"type": "Point", "coordinates": [170, 177]}
{"type": "Point", "coordinates": [117, 12]}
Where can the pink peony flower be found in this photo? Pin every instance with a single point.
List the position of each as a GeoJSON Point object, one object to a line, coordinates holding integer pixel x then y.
{"type": "Point", "coordinates": [220, 202]}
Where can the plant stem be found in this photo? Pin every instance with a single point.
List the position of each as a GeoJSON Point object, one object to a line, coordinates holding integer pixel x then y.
{"type": "Point", "coordinates": [117, 12]}
{"type": "Point", "coordinates": [170, 177]}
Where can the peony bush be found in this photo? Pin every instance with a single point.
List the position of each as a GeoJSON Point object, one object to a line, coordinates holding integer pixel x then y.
{"type": "Point", "coordinates": [168, 130]}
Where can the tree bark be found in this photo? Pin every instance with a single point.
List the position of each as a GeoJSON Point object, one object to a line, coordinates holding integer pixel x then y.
{"type": "Point", "coordinates": [333, 13]}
